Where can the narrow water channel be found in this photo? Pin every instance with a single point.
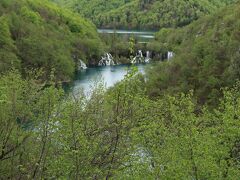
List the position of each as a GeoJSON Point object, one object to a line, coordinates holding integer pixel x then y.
{"type": "Point", "coordinates": [141, 36]}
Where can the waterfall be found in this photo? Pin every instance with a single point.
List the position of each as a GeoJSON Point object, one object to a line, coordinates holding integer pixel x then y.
{"type": "Point", "coordinates": [147, 59]}
{"type": "Point", "coordinates": [134, 60]}
{"type": "Point", "coordinates": [140, 53]}
{"type": "Point", "coordinates": [107, 60]}
{"type": "Point", "coordinates": [170, 55]}
{"type": "Point", "coordinates": [139, 58]}
{"type": "Point", "coordinates": [109, 56]}
{"type": "Point", "coordinates": [148, 55]}
{"type": "Point", "coordinates": [81, 65]}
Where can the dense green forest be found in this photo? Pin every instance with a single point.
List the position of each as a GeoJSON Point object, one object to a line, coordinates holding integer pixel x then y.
{"type": "Point", "coordinates": [143, 14]}
{"type": "Point", "coordinates": [179, 120]}
{"type": "Point", "coordinates": [38, 34]}
{"type": "Point", "coordinates": [121, 135]}
{"type": "Point", "coordinates": [207, 56]}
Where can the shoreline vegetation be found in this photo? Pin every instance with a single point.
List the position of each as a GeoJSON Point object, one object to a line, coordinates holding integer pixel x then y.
{"type": "Point", "coordinates": [180, 120]}
{"type": "Point", "coordinates": [33, 29]}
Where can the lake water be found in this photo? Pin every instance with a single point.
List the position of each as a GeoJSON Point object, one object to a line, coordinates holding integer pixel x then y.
{"type": "Point", "coordinates": [142, 36]}
{"type": "Point", "coordinates": [109, 74]}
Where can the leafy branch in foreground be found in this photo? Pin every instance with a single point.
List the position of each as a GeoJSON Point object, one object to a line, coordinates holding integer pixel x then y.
{"type": "Point", "coordinates": [116, 134]}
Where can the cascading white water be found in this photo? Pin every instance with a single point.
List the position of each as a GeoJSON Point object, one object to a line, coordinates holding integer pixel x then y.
{"type": "Point", "coordinates": [109, 56]}
{"type": "Point", "coordinates": [133, 61]}
{"type": "Point", "coordinates": [81, 65]}
{"type": "Point", "coordinates": [147, 59]}
{"type": "Point", "coordinates": [148, 55]}
{"type": "Point", "coordinates": [140, 53]}
{"type": "Point", "coordinates": [107, 60]}
{"type": "Point", "coordinates": [170, 55]}
{"type": "Point", "coordinates": [139, 58]}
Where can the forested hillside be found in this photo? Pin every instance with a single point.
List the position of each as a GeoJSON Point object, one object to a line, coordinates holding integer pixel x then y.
{"type": "Point", "coordinates": [143, 14]}
{"type": "Point", "coordinates": [38, 34]}
{"type": "Point", "coordinates": [207, 55]}
{"type": "Point", "coordinates": [180, 120]}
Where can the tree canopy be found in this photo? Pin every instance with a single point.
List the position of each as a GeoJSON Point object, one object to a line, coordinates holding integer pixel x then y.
{"type": "Point", "coordinates": [143, 14]}
{"type": "Point", "coordinates": [38, 34]}
{"type": "Point", "coordinates": [180, 120]}
{"type": "Point", "coordinates": [121, 134]}
{"type": "Point", "coordinates": [206, 56]}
